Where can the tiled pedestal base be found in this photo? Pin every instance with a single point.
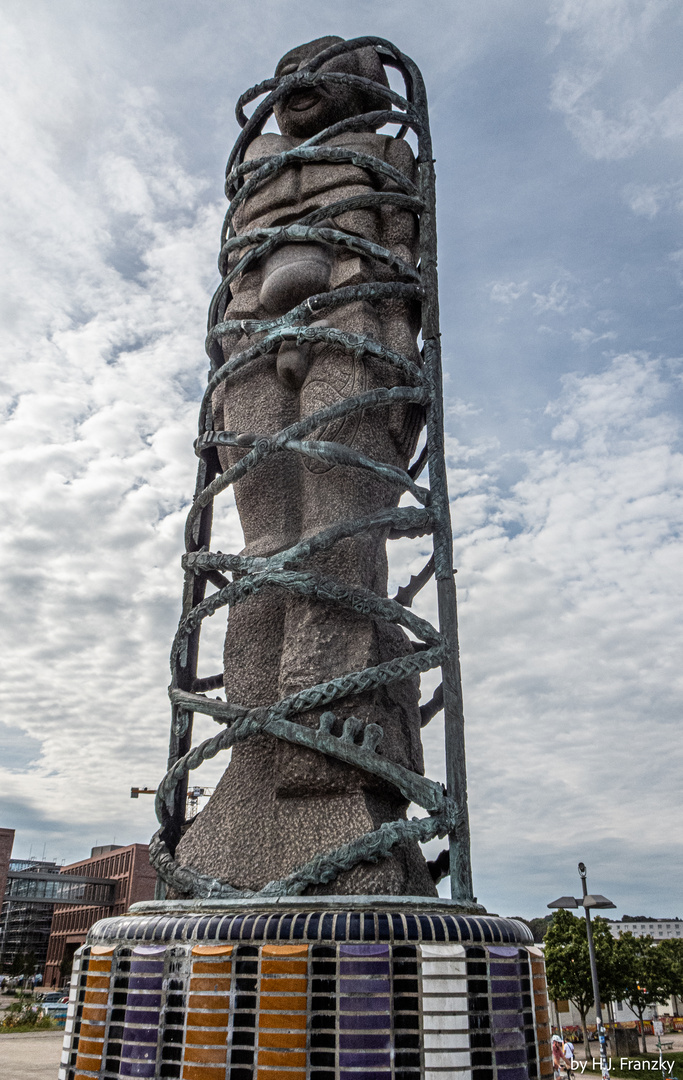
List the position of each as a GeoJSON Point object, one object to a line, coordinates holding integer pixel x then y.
{"type": "Point", "coordinates": [331, 988]}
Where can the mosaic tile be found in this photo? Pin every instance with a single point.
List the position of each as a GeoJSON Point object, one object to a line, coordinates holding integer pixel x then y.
{"type": "Point", "coordinates": [406, 1035]}
{"type": "Point", "coordinates": [282, 1012]}
{"type": "Point", "coordinates": [364, 994]}
{"type": "Point", "coordinates": [140, 1039]}
{"type": "Point", "coordinates": [326, 929]}
{"type": "Point", "coordinates": [94, 1012]}
{"type": "Point", "coordinates": [412, 928]}
{"type": "Point", "coordinates": [235, 929]}
{"type": "Point", "coordinates": [426, 928]}
{"type": "Point", "coordinates": [69, 1045]}
{"type": "Point", "coordinates": [299, 927]}
{"type": "Point", "coordinates": [272, 928]}
{"type": "Point", "coordinates": [353, 931]}
{"type": "Point", "coordinates": [340, 927]}
{"type": "Point", "coordinates": [398, 927]}
{"type": "Point", "coordinates": [444, 1016]}
{"type": "Point", "coordinates": [207, 1024]}
{"type": "Point", "coordinates": [307, 996]}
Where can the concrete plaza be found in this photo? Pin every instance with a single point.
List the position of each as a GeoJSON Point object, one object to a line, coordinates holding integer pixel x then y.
{"type": "Point", "coordinates": [32, 1055]}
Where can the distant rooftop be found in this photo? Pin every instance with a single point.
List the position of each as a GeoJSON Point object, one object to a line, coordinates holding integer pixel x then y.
{"type": "Point", "coordinates": [647, 918]}
{"type": "Point", "coordinates": [37, 865]}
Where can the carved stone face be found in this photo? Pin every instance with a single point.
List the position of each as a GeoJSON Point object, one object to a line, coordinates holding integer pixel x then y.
{"type": "Point", "coordinates": [305, 112]}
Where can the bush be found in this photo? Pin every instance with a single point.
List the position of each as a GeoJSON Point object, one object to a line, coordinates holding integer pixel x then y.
{"type": "Point", "coordinates": [26, 1017]}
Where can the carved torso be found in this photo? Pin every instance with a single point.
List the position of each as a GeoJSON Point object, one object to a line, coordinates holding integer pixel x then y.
{"type": "Point", "coordinates": [301, 188]}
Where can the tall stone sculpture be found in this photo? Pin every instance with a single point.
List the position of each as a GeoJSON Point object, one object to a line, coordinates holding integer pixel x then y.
{"type": "Point", "coordinates": [278, 805]}
{"type": "Point", "coordinates": [297, 933]}
{"type": "Point", "coordinates": [317, 397]}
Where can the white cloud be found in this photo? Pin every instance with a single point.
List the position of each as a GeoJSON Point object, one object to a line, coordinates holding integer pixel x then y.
{"type": "Point", "coordinates": [101, 371]}
{"type": "Point", "coordinates": [676, 257]}
{"type": "Point", "coordinates": [606, 28]}
{"type": "Point", "coordinates": [585, 337]}
{"type": "Point", "coordinates": [649, 199]}
{"type": "Point", "coordinates": [571, 631]}
{"type": "Point", "coordinates": [506, 292]}
{"type": "Point", "coordinates": [604, 84]}
{"type": "Point", "coordinates": [562, 296]}
{"type": "Point", "coordinates": [568, 579]}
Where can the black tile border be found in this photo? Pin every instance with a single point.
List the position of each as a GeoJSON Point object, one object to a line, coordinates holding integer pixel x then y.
{"type": "Point", "coordinates": [317, 925]}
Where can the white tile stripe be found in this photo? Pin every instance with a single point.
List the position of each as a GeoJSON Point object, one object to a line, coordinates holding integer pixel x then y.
{"type": "Point", "coordinates": [445, 1021]}
{"type": "Point", "coordinates": [71, 1012]}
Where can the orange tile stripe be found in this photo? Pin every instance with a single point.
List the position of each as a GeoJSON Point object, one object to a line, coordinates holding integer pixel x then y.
{"type": "Point", "coordinates": [282, 1013]}
{"type": "Point", "coordinates": [542, 1015]}
{"type": "Point", "coordinates": [208, 1008]}
{"type": "Point", "coordinates": [94, 1018]}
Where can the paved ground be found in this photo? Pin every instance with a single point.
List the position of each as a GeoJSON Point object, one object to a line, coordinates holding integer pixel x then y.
{"type": "Point", "coordinates": [35, 1056]}
{"type": "Point", "coordinates": [30, 1056]}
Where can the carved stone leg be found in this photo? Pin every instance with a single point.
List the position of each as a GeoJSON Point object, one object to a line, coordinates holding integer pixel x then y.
{"type": "Point", "coordinates": [321, 642]}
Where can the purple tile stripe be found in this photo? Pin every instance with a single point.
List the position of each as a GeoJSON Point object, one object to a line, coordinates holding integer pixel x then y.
{"type": "Point", "coordinates": [141, 1021]}
{"type": "Point", "coordinates": [364, 1005]}
{"type": "Point", "coordinates": [507, 1019]}
{"type": "Point", "coordinates": [355, 1004]}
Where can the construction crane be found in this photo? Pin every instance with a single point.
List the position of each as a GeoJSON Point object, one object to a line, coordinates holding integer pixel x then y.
{"type": "Point", "coordinates": [194, 794]}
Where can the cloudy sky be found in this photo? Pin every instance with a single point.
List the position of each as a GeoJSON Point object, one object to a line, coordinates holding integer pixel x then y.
{"type": "Point", "coordinates": [558, 130]}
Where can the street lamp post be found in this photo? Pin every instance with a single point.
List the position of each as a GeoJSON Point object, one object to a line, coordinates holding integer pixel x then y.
{"type": "Point", "coordinates": [587, 902]}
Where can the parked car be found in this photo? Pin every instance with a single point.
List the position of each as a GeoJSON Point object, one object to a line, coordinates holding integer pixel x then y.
{"type": "Point", "coordinates": [56, 1010]}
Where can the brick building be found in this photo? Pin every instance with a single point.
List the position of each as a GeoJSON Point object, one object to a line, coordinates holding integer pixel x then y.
{"type": "Point", "coordinates": [134, 880]}
{"type": "Point", "coordinates": [24, 923]}
{"type": "Point", "coordinates": [6, 844]}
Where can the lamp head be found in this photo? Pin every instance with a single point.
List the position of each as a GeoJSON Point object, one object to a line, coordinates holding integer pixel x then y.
{"type": "Point", "coordinates": [595, 900]}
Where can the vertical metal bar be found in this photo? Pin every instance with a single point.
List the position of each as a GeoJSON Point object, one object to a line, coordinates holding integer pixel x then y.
{"type": "Point", "coordinates": [194, 588]}
{"type": "Point", "coordinates": [454, 730]}
{"type": "Point", "coordinates": [454, 721]}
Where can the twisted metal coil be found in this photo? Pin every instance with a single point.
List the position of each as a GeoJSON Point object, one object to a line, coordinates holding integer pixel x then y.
{"type": "Point", "coordinates": [447, 808]}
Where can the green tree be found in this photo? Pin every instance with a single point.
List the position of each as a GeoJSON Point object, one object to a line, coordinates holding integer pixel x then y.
{"type": "Point", "coordinates": [65, 968]}
{"type": "Point", "coordinates": [567, 962]}
{"type": "Point", "coordinates": [645, 974]}
{"type": "Point", "coordinates": [17, 966]}
{"type": "Point", "coordinates": [538, 925]}
{"type": "Point", "coordinates": [671, 953]}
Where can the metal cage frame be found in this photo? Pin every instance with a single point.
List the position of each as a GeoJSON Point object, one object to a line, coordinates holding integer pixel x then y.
{"type": "Point", "coordinates": [438, 647]}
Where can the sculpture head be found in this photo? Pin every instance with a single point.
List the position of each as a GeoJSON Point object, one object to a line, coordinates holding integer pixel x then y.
{"type": "Point", "coordinates": [307, 111]}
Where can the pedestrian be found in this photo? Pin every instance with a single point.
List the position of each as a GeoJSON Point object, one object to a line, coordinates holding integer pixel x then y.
{"type": "Point", "coordinates": [568, 1052]}
{"type": "Point", "coordinates": [558, 1060]}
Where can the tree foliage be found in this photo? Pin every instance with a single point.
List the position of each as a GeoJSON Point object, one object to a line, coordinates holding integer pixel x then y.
{"type": "Point", "coordinates": [671, 953]}
{"type": "Point", "coordinates": [538, 926]}
{"type": "Point", "coordinates": [646, 973]}
{"type": "Point", "coordinates": [638, 970]}
{"type": "Point", "coordinates": [567, 962]}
